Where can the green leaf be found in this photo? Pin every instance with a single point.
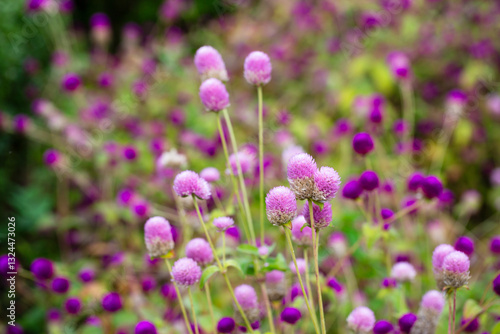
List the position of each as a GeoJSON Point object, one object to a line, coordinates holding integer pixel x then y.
{"type": "Point", "coordinates": [471, 308]}
{"type": "Point", "coordinates": [496, 329]}
{"type": "Point", "coordinates": [207, 273]}
{"type": "Point", "coordinates": [234, 264]}
{"type": "Point", "coordinates": [320, 204]}
{"type": "Point", "coordinates": [248, 249]}
{"type": "Point", "coordinates": [371, 234]}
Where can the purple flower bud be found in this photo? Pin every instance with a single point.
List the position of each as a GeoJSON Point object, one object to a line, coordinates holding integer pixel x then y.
{"type": "Point", "coordinates": [406, 322]}
{"type": "Point", "coordinates": [145, 327]}
{"type": "Point", "coordinates": [186, 272]}
{"type": "Point", "coordinates": [86, 275]}
{"type": "Point", "coordinates": [281, 205]}
{"type": "Point", "coordinates": [51, 157]}
{"type": "Point", "coordinates": [199, 250]}
{"type": "Point", "coordinates": [322, 217]}
{"type": "Point", "coordinates": [400, 127]}
{"type": "Point", "coordinates": [415, 181]}
{"type": "Point", "coordinates": [352, 190]}
{"type": "Point", "coordinates": [399, 64]}
{"type": "Point", "coordinates": [389, 282]}
{"type": "Point", "coordinates": [226, 325]}
{"type": "Point", "coordinates": [440, 252]}
{"type": "Point", "coordinates": [21, 123]}
{"type": "Point", "coordinates": [433, 300]}
{"type": "Point", "coordinates": [465, 245]}
{"type": "Point", "coordinates": [403, 272]}
{"type": "Point", "coordinates": [495, 244]}
{"type": "Point", "coordinates": [302, 235]}
{"type": "Point", "coordinates": [369, 180]}
{"type": "Point", "coordinates": [432, 187]}
{"type": "Point", "coordinates": [53, 315]}
{"type": "Point", "coordinates": [496, 285]}
{"type": "Point", "coordinates": [290, 315]}
{"type": "Point", "coordinates": [73, 305]}
{"type": "Point", "coordinates": [361, 319]}
{"type": "Point", "coordinates": [188, 183]}
{"type": "Point", "coordinates": [213, 95]}
{"type": "Point", "coordinates": [223, 223]}
{"type": "Point", "coordinates": [210, 174]}
{"type": "Point", "coordinates": [257, 68]}
{"type": "Point", "coordinates": [158, 236]}
{"type": "Point", "coordinates": [301, 171]}
{"type": "Point", "coordinates": [362, 143]}
{"type": "Point", "coordinates": [71, 82]}
{"type": "Point", "coordinates": [60, 285]}
{"type": "Point", "coordinates": [42, 269]}
{"type": "Point", "coordinates": [472, 327]}
{"type": "Point", "coordinates": [383, 327]}
{"type": "Point", "coordinates": [129, 153]}
{"type": "Point", "coordinates": [209, 64]}
{"type": "Point", "coordinates": [111, 302]}
{"type": "Point", "coordinates": [327, 183]}
{"type": "Point", "coordinates": [335, 285]}
{"type": "Point", "coordinates": [148, 283]}
{"type": "Point", "coordinates": [246, 297]}
{"type": "Point", "coordinates": [168, 291]}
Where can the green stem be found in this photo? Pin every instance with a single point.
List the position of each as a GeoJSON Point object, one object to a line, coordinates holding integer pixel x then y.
{"type": "Point", "coordinates": [179, 298]}
{"type": "Point", "coordinates": [316, 266]}
{"type": "Point", "coordinates": [193, 311]}
{"type": "Point", "coordinates": [240, 174]}
{"type": "Point", "coordinates": [292, 253]}
{"type": "Point", "coordinates": [268, 307]}
{"type": "Point", "coordinates": [210, 306]}
{"type": "Point", "coordinates": [231, 291]}
{"type": "Point", "coordinates": [261, 164]}
{"type": "Point", "coordinates": [454, 308]}
{"type": "Point", "coordinates": [224, 248]}
{"type": "Point", "coordinates": [308, 281]}
{"type": "Point", "coordinates": [409, 116]}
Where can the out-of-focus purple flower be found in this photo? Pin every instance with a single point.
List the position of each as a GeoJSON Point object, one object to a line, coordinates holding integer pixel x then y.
{"type": "Point", "coordinates": [145, 327]}
{"type": "Point", "coordinates": [71, 82]}
{"type": "Point", "coordinates": [383, 327]}
{"type": "Point", "coordinates": [213, 95]}
{"type": "Point", "coordinates": [399, 65]}
{"type": "Point", "coordinates": [406, 322]}
{"type": "Point", "coordinates": [431, 187]}
{"type": "Point", "coordinates": [73, 305]}
{"type": "Point", "coordinates": [465, 245]}
{"type": "Point", "coordinates": [362, 143]}
{"type": "Point", "coordinates": [352, 190]}
{"type": "Point", "coordinates": [327, 183]}
{"type": "Point", "coordinates": [148, 283]}
{"type": "Point", "coordinates": [210, 174]}
{"type": "Point", "coordinates": [414, 181]}
{"type": "Point", "coordinates": [158, 236]}
{"type": "Point", "coordinates": [186, 272]}
{"type": "Point", "coordinates": [86, 275]}
{"type": "Point", "coordinates": [361, 319]}
{"type": "Point", "coordinates": [209, 64]}
{"type": "Point", "coordinates": [60, 285]}
{"type": "Point", "coordinates": [226, 325]}
{"type": "Point", "coordinates": [42, 269]}
{"type": "Point", "coordinates": [111, 302]}
{"type": "Point", "coordinates": [369, 180]}
{"type": "Point", "coordinates": [290, 315]}
{"type": "Point", "coordinates": [302, 235]}
{"type": "Point", "coordinates": [199, 250]}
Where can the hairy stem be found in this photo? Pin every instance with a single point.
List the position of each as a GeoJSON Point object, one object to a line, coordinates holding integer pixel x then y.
{"type": "Point", "coordinates": [316, 266]}
{"type": "Point", "coordinates": [261, 164]}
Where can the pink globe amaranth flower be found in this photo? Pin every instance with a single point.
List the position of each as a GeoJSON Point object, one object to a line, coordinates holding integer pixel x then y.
{"type": "Point", "coordinates": [281, 205]}
{"type": "Point", "coordinates": [210, 174]}
{"type": "Point", "coordinates": [456, 270]}
{"type": "Point", "coordinates": [186, 272]}
{"type": "Point", "coordinates": [257, 68]}
{"type": "Point", "coordinates": [223, 223]}
{"type": "Point", "coordinates": [322, 217]}
{"type": "Point", "coordinates": [301, 266]}
{"type": "Point", "coordinates": [246, 297]}
{"type": "Point", "coordinates": [361, 319]}
{"type": "Point", "coordinates": [188, 183]}
{"type": "Point", "coordinates": [327, 184]}
{"type": "Point", "coordinates": [302, 235]}
{"type": "Point", "coordinates": [275, 276]}
{"type": "Point", "coordinates": [338, 243]}
{"type": "Point", "coordinates": [399, 65]}
{"type": "Point", "coordinates": [433, 300]}
{"type": "Point", "coordinates": [403, 272]}
{"type": "Point", "coordinates": [199, 250]}
{"type": "Point", "coordinates": [246, 160]}
{"type": "Point", "coordinates": [275, 285]}
{"type": "Point", "coordinates": [440, 252]}
{"type": "Point", "coordinates": [71, 82]}
{"type": "Point", "coordinates": [209, 64]}
{"type": "Point", "coordinates": [158, 236]}
{"type": "Point", "coordinates": [213, 95]}
{"type": "Point", "coordinates": [300, 172]}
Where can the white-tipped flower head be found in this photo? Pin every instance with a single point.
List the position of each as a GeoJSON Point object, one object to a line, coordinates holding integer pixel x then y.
{"type": "Point", "coordinates": [158, 236]}
{"type": "Point", "coordinates": [300, 173]}
{"type": "Point", "coordinates": [403, 272]}
{"type": "Point", "coordinates": [210, 64]}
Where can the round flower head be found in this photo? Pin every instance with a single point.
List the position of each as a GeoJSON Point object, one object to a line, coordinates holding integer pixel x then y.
{"type": "Point", "coordinates": [456, 269]}
{"type": "Point", "coordinates": [60, 285]}
{"type": "Point", "coordinates": [246, 297]}
{"type": "Point", "coordinates": [209, 64]}
{"type": "Point", "coordinates": [73, 305]}
{"type": "Point", "coordinates": [246, 160]}
{"type": "Point", "coordinates": [226, 325]}
{"type": "Point", "coordinates": [199, 250]}
{"type": "Point", "coordinates": [302, 235]}
{"type": "Point", "coordinates": [281, 205]}
{"type": "Point", "coordinates": [369, 180]}
{"type": "Point", "coordinates": [465, 245]}
{"type": "Point", "coordinates": [51, 157]}
{"type": "Point", "coordinates": [433, 300]}
{"type": "Point", "coordinates": [432, 187]}
{"type": "Point", "coordinates": [275, 276]}
{"type": "Point", "coordinates": [335, 285]}
{"type": "Point", "coordinates": [112, 302]}
{"type": "Point", "coordinates": [300, 172]}
{"type": "Point", "coordinates": [158, 236]}
{"type": "Point", "coordinates": [440, 252]}
{"type": "Point", "coordinates": [415, 181]}
{"type": "Point", "coordinates": [403, 272]}
{"type": "Point", "coordinates": [361, 319]}
{"type": "Point", "coordinates": [275, 285]}
{"type": "Point", "coordinates": [186, 272]}
{"type": "Point", "coordinates": [322, 217]}
{"type": "Point", "coordinates": [188, 183]}
{"type": "Point", "coordinates": [223, 223]}
{"type": "Point", "coordinates": [472, 325]}
{"type": "Point", "coordinates": [406, 322]}
{"type": "Point", "coordinates": [210, 174]}
{"type": "Point", "coordinates": [383, 327]}
{"type": "Point", "coordinates": [71, 82]}
{"type": "Point", "coordinates": [290, 315]}
{"type": "Point", "coordinates": [86, 275]}
{"type": "Point", "coordinates": [495, 245]}
{"type": "Point", "coordinates": [213, 95]}
{"type": "Point", "coordinates": [327, 184]}
{"type": "Point", "coordinates": [301, 265]}
{"type": "Point", "coordinates": [257, 68]}
{"type": "Point", "coordinates": [362, 143]}
{"type": "Point", "coordinates": [145, 327]}
{"type": "Point", "coordinates": [352, 190]}
{"type": "Point", "coordinates": [399, 64]}
{"type": "Point", "coordinates": [42, 268]}
{"type": "Point", "coordinates": [496, 285]}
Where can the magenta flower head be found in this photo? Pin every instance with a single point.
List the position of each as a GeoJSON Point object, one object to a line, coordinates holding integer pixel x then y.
{"type": "Point", "coordinates": [226, 325]}
{"type": "Point", "coordinates": [432, 187]}
{"type": "Point", "coordinates": [361, 320]}
{"type": "Point", "coordinates": [383, 327]}
{"type": "Point", "coordinates": [496, 285]}
{"type": "Point", "coordinates": [465, 245]}
{"type": "Point", "coordinates": [369, 180]}
{"type": "Point", "coordinates": [456, 269]}
{"type": "Point", "coordinates": [414, 181]}
{"type": "Point", "coordinates": [290, 315]}
{"type": "Point", "coordinates": [300, 172]}
{"type": "Point", "coordinates": [472, 325]}
{"type": "Point", "coordinates": [199, 250]}
{"type": "Point", "coordinates": [275, 285]}
{"type": "Point", "coordinates": [247, 298]}
{"type": "Point", "coordinates": [302, 235]}
{"type": "Point", "coordinates": [257, 68]}
{"type": "Point", "coordinates": [495, 245]}
{"type": "Point", "coordinates": [362, 143]}
{"type": "Point", "coordinates": [112, 302]}
{"type": "Point", "coordinates": [322, 217]}
{"type": "Point", "coordinates": [399, 65]}
{"type": "Point", "coordinates": [403, 272]}
{"type": "Point", "coordinates": [281, 205]}
{"type": "Point", "coordinates": [71, 82]}
{"type": "Point", "coordinates": [158, 236]}
{"type": "Point", "coordinates": [145, 327]}
{"type": "Point", "coordinates": [51, 157]}
{"type": "Point", "coordinates": [73, 305]}
{"type": "Point", "coordinates": [213, 95]}
{"type": "Point", "coordinates": [327, 184]}
{"type": "Point", "coordinates": [42, 268]}
{"type": "Point", "coordinates": [210, 174]}
{"type": "Point", "coordinates": [433, 300]}
{"type": "Point", "coordinates": [430, 310]}
{"type": "Point", "coordinates": [406, 322]}
{"type": "Point", "coordinates": [188, 183]}
{"type": "Point", "coordinates": [209, 64]}
{"type": "Point", "coordinates": [352, 190]}
{"type": "Point", "coordinates": [60, 285]}
{"type": "Point", "coordinates": [186, 272]}
{"type": "Point", "coordinates": [301, 266]}
{"type": "Point", "coordinates": [246, 160]}
{"type": "Point", "coordinates": [440, 252]}
{"type": "Point", "coordinates": [223, 223]}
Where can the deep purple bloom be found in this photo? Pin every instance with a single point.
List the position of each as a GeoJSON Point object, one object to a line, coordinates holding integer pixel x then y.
{"type": "Point", "coordinates": [73, 305]}
{"type": "Point", "coordinates": [383, 327]}
{"type": "Point", "coordinates": [362, 143]}
{"type": "Point", "coordinates": [112, 302]}
{"type": "Point", "coordinates": [495, 244]}
{"type": "Point", "coordinates": [129, 153]}
{"type": "Point", "coordinates": [406, 322]}
{"type": "Point", "coordinates": [369, 180]}
{"type": "Point", "coordinates": [42, 268]}
{"type": "Point", "coordinates": [472, 327]}
{"type": "Point", "coordinates": [415, 181]}
{"type": "Point", "coordinates": [432, 187]}
{"type": "Point", "coordinates": [145, 327]}
{"type": "Point", "coordinates": [226, 325]}
{"type": "Point", "coordinates": [290, 315]}
{"type": "Point", "coordinates": [86, 275]}
{"type": "Point", "coordinates": [71, 82]}
{"type": "Point", "coordinates": [496, 285]}
{"type": "Point", "coordinates": [352, 190]}
{"type": "Point", "coordinates": [60, 285]}
{"type": "Point", "coordinates": [465, 245]}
